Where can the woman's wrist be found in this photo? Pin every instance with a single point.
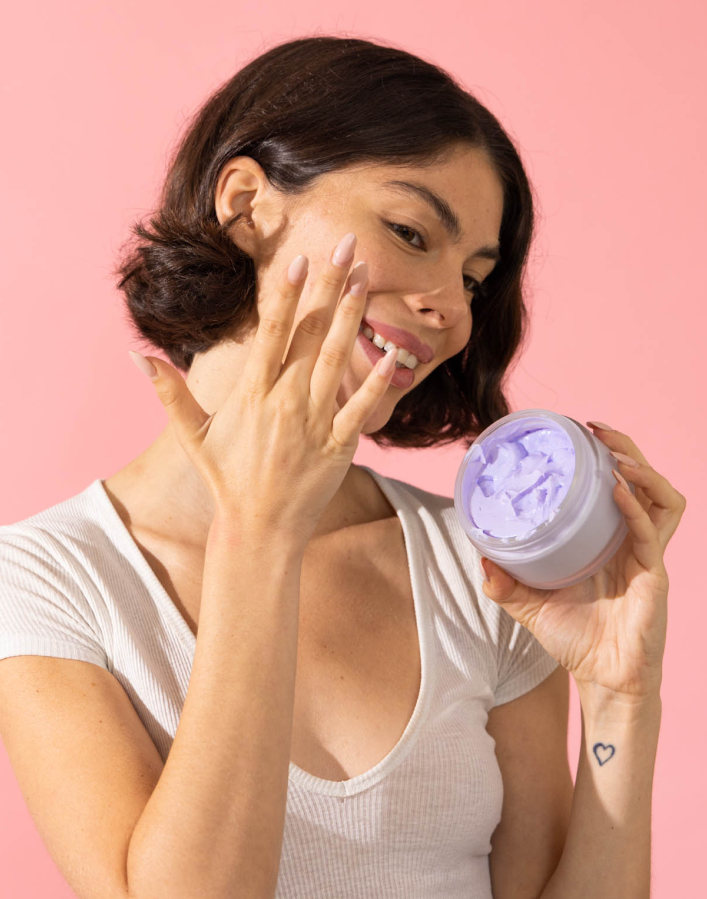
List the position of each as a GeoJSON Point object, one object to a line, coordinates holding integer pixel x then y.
{"type": "Point", "coordinates": [244, 533]}
{"type": "Point", "coordinates": [601, 703]}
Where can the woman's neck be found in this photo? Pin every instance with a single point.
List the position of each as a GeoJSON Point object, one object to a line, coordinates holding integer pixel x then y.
{"type": "Point", "coordinates": [161, 491]}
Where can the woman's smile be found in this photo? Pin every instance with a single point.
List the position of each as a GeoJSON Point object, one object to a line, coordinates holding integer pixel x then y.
{"type": "Point", "coordinates": [402, 377]}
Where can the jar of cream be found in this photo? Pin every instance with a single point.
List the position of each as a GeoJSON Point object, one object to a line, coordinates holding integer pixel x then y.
{"type": "Point", "coordinates": [534, 494]}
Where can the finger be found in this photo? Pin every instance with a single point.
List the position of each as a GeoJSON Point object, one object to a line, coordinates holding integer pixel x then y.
{"type": "Point", "coordinates": [336, 350]}
{"type": "Point", "coordinates": [615, 440]}
{"type": "Point", "coordinates": [313, 327]}
{"type": "Point", "coordinates": [347, 423]}
{"type": "Point", "coordinates": [667, 504]}
{"type": "Point", "coordinates": [186, 416]}
{"type": "Point", "coordinates": [264, 362]}
{"type": "Point", "coordinates": [646, 543]}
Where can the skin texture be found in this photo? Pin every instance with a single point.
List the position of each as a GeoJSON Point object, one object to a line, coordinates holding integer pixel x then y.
{"type": "Point", "coordinates": [421, 283]}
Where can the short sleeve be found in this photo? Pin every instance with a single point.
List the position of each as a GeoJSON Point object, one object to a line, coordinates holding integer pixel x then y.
{"type": "Point", "coordinates": [43, 611]}
{"type": "Point", "coordinates": [523, 663]}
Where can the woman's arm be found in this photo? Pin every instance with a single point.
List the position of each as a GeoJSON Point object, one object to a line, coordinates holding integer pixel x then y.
{"type": "Point", "coordinates": [609, 631]}
{"type": "Point", "coordinates": [607, 852]}
{"type": "Point", "coordinates": [214, 824]}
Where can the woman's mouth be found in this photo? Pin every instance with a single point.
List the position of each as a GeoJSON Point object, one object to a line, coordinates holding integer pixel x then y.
{"type": "Point", "coordinates": [403, 376]}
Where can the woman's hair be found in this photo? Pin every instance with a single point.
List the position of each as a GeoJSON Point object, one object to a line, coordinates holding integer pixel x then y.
{"type": "Point", "coordinates": [304, 108]}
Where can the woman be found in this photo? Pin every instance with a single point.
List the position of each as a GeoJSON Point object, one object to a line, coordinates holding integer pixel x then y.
{"type": "Point", "coordinates": [252, 668]}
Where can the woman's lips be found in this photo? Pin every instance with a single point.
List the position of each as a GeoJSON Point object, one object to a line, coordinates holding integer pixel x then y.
{"type": "Point", "coordinates": [401, 377]}
{"type": "Point", "coordinates": [401, 338]}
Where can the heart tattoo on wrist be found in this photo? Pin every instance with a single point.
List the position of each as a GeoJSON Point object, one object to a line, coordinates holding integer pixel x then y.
{"type": "Point", "coordinates": [600, 746]}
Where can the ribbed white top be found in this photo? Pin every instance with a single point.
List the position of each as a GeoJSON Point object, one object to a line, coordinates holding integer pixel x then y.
{"type": "Point", "coordinates": [74, 585]}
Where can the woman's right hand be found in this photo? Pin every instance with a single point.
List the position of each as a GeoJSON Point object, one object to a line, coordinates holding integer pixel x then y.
{"type": "Point", "coordinates": [279, 447]}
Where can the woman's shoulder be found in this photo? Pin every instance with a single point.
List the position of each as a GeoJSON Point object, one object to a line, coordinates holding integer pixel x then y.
{"type": "Point", "coordinates": [410, 492]}
{"type": "Point", "coordinates": [49, 601]}
{"type": "Point", "coordinates": [69, 551]}
{"type": "Point", "coordinates": [435, 511]}
{"type": "Point", "coordinates": [77, 521]}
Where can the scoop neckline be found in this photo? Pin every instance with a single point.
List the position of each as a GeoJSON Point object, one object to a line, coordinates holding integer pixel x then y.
{"type": "Point", "coordinates": [408, 739]}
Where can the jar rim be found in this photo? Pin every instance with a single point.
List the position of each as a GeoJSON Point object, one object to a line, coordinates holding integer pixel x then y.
{"type": "Point", "coordinates": [580, 438]}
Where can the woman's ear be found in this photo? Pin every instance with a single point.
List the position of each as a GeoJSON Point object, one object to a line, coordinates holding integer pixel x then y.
{"type": "Point", "coordinates": [241, 188]}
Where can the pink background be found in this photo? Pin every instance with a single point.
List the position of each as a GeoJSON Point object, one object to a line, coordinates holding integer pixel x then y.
{"type": "Point", "coordinates": [606, 101]}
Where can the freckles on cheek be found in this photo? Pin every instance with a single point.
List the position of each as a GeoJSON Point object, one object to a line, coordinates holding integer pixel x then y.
{"type": "Point", "coordinates": [387, 271]}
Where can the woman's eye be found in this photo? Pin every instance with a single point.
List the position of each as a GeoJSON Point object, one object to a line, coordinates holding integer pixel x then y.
{"type": "Point", "coordinates": [476, 286]}
{"type": "Point", "coordinates": [393, 226]}
{"type": "Point", "coordinates": [397, 228]}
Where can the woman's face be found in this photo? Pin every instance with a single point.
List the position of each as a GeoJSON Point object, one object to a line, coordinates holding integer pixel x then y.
{"type": "Point", "coordinates": [421, 277]}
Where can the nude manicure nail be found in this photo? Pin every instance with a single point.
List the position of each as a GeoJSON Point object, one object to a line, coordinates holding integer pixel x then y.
{"type": "Point", "coordinates": [622, 457]}
{"type": "Point", "coordinates": [358, 279]}
{"type": "Point", "coordinates": [621, 479]}
{"type": "Point", "coordinates": [600, 424]}
{"type": "Point", "coordinates": [298, 269]}
{"type": "Point", "coordinates": [344, 252]}
{"type": "Point", "coordinates": [143, 364]}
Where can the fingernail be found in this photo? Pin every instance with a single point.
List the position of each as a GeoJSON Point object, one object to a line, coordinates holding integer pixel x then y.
{"type": "Point", "coordinates": [387, 363]}
{"type": "Point", "coordinates": [298, 269]}
{"type": "Point", "coordinates": [344, 252]}
{"type": "Point", "coordinates": [621, 479]}
{"type": "Point", "coordinates": [622, 457]}
{"type": "Point", "coordinates": [358, 279]}
{"type": "Point", "coordinates": [599, 424]}
{"type": "Point", "coordinates": [143, 364]}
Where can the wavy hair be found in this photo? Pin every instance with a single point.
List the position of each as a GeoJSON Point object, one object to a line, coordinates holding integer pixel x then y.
{"type": "Point", "coordinates": [302, 109]}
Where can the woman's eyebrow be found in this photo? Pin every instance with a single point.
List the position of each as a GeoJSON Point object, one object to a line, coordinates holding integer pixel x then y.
{"type": "Point", "coordinates": [444, 212]}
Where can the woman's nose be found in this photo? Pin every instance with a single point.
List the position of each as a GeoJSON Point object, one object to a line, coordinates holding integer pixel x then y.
{"type": "Point", "coordinates": [450, 303]}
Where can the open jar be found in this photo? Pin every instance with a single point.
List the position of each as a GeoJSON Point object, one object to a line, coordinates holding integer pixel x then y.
{"type": "Point", "coordinates": [534, 494]}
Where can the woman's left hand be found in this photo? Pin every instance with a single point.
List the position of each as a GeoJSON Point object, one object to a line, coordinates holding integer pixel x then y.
{"type": "Point", "coordinates": [609, 630]}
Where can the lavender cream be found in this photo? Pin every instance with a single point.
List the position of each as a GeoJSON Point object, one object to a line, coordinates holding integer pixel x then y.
{"type": "Point", "coordinates": [534, 493]}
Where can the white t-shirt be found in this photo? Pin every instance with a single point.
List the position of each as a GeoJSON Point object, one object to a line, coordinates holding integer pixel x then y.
{"type": "Point", "coordinates": [74, 585]}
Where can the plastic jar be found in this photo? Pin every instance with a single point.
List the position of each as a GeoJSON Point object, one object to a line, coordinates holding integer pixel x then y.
{"type": "Point", "coordinates": [534, 493]}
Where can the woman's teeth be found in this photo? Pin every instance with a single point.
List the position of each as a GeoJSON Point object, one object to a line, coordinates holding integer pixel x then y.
{"type": "Point", "coordinates": [409, 360]}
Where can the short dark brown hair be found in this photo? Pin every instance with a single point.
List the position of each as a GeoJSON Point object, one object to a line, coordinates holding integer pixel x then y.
{"type": "Point", "coordinates": [301, 109]}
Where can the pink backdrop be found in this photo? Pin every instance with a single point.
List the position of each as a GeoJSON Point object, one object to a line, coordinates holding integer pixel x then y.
{"type": "Point", "coordinates": [606, 101]}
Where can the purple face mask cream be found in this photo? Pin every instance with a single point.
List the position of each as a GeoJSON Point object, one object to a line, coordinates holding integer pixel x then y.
{"type": "Point", "coordinates": [534, 494]}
